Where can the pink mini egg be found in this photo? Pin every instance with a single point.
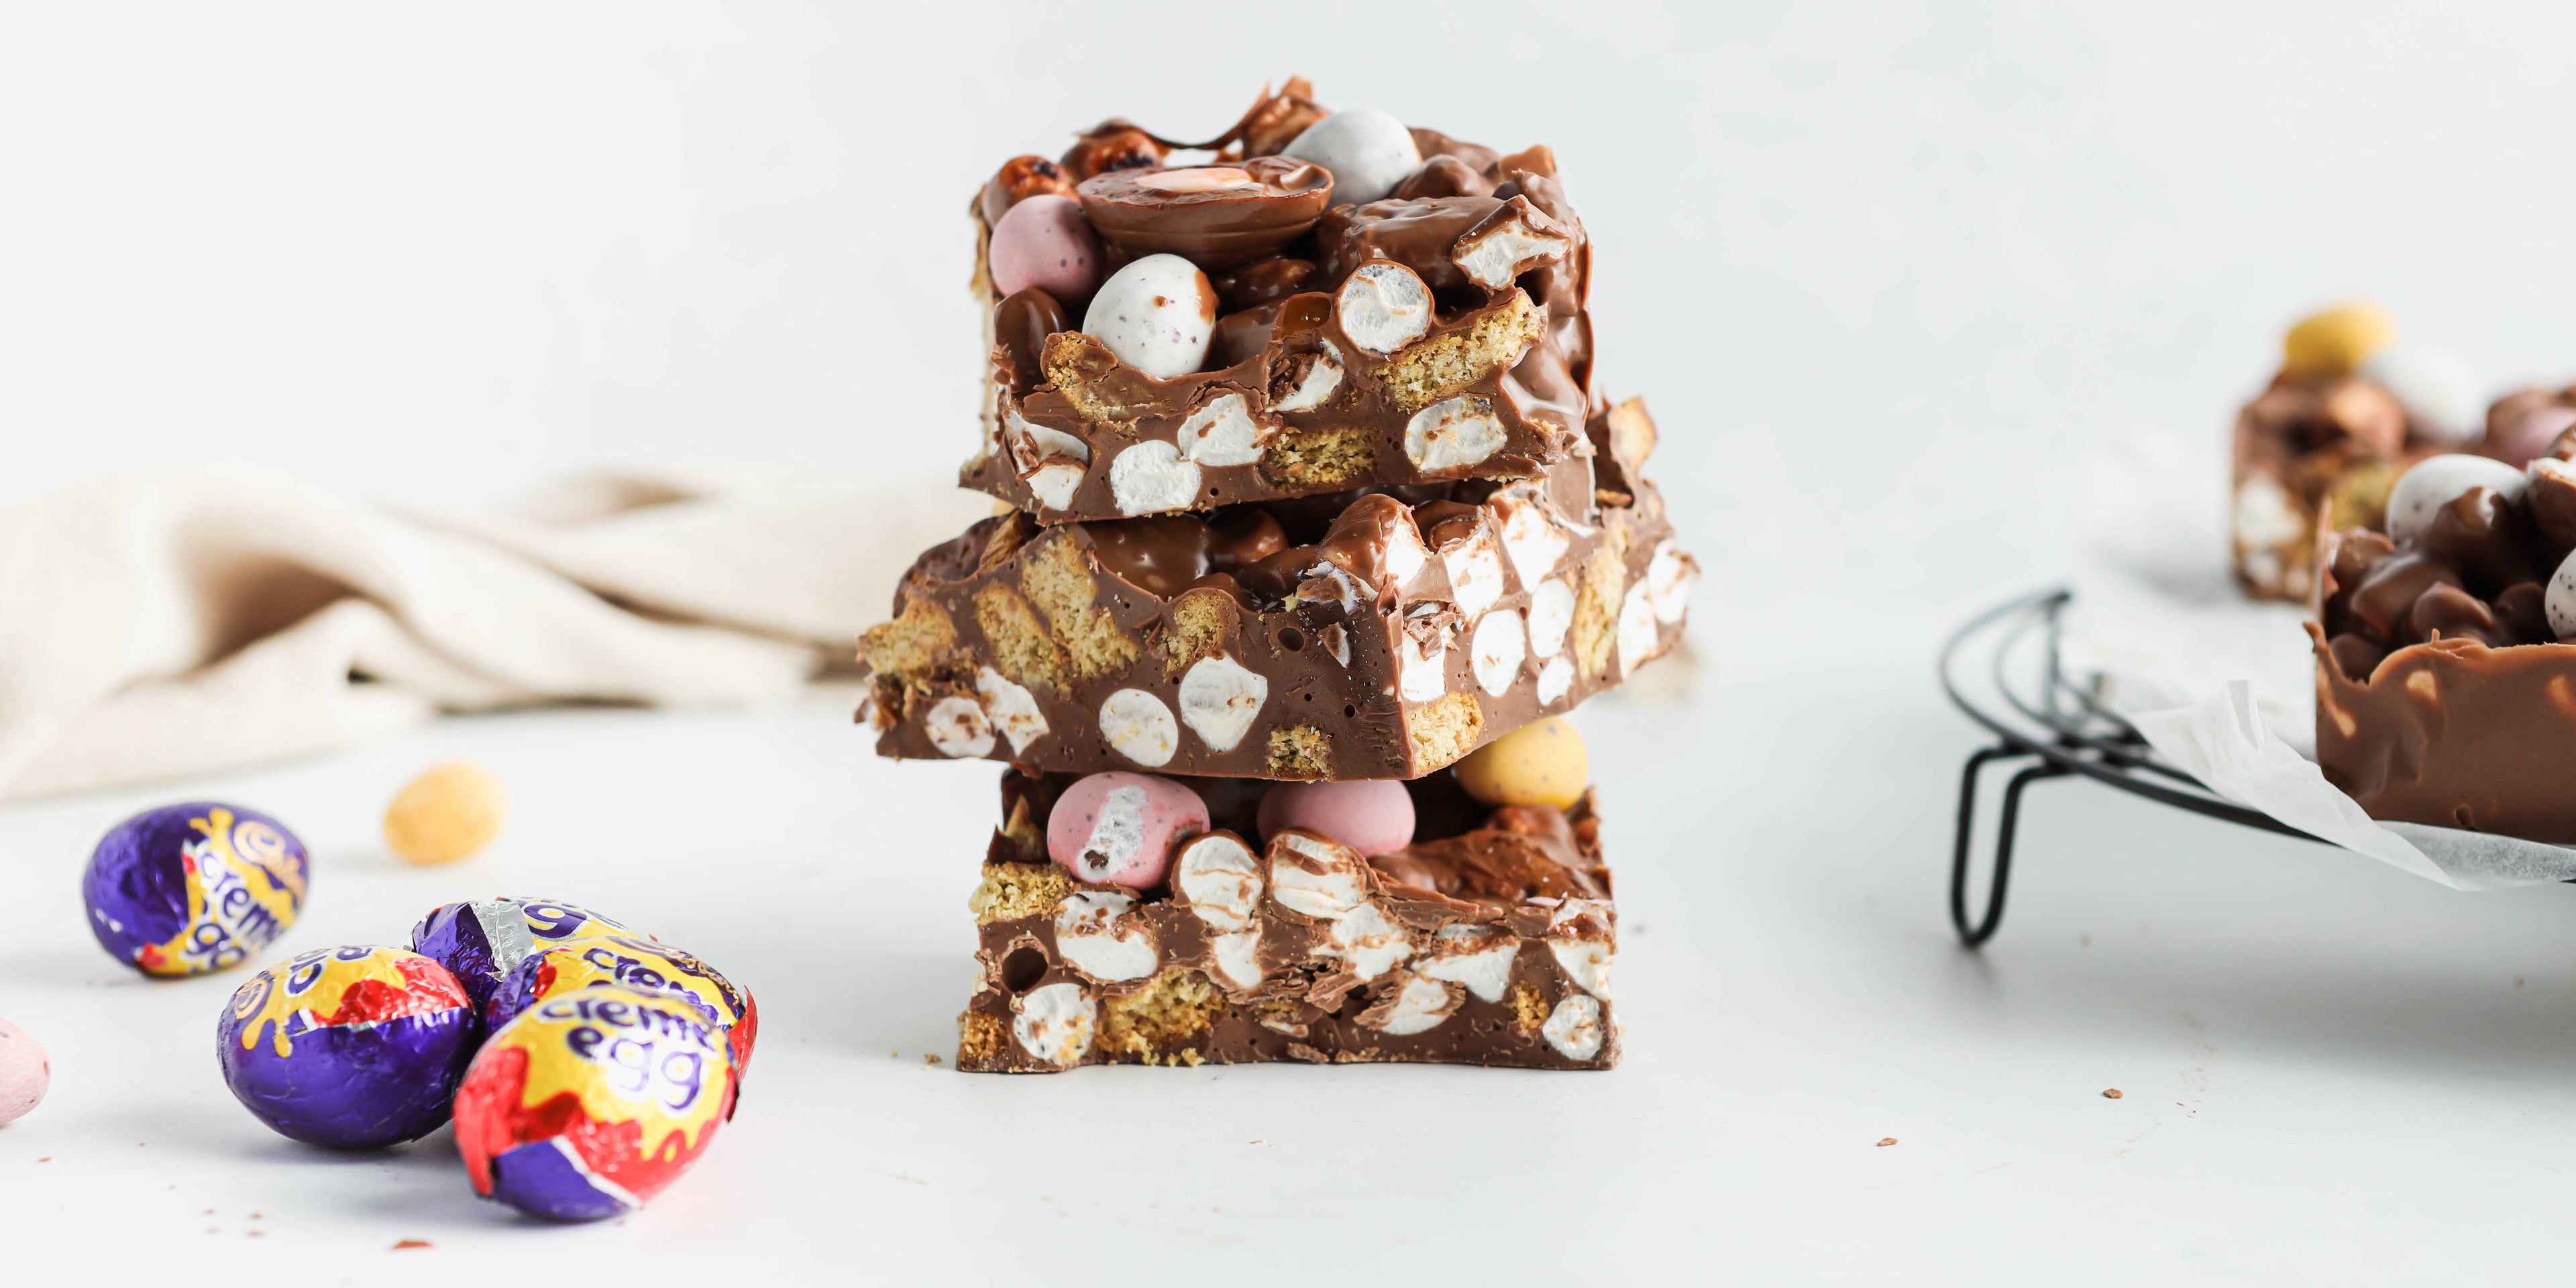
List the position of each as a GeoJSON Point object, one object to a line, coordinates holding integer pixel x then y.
{"type": "Point", "coordinates": [1120, 829]}
{"type": "Point", "coordinates": [24, 1072]}
{"type": "Point", "coordinates": [1370, 817]}
{"type": "Point", "coordinates": [2535, 434]}
{"type": "Point", "coordinates": [1045, 242]}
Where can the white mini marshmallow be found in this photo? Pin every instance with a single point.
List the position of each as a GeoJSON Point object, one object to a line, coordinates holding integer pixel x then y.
{"type": "Point", "coordinates": [1461, 956]}
{"type": "Point", "coordinates": [1089, 936]}
{"type": "Point", "coordinates": [1011, 708]}
{"type": "Point", "coordinates": [1417, 1007]}
{"type": "Point", "coordinates": [1554, 679]}
{"type": "Point", "coordinates": [2438, 389]}
{"type": "Point", "coordinates": [1219, 699]}
{"type": "Point", "coordinates": [1551, 614]}
{"type": "Point", "coordinates": [1367, 150]}
{"type": "Point", "coordinates": [1221, 880]}
{"type": "Point", "coordinates": [2436, 481]}
{"type": "Point", "coordinates": [1475, 568]}
{"type": "Point", "coordinates": [1368, 939]}
{"type": "Point", "coordinates": [1580, 941]}
{"type": "Point", "coordinates": [957, 727]}
{"type": "Point", "coordinates": [1333, 892]}
{"type": "Point", "coordinates": [1531, 536]}
{"type": "Point", "coordinates": [1238, 957]}
{"type": "Point", "coordinates": [1138, 726]}
{"type": "Point", "coordinates": [1322, 380]}
{"type": "Point", "coordinates": [1346, 588]}
{"type": "Point", "coordinates": [1491, 256]}
{"type": "Point", "coordinates": [1574, 1027]}
{"type": "Point", "coordinates": [1405, 555]}
{"type": "Point", "coordinates": [1422, 672]}
{"type": "Point", "coordinates": [1637, 632]}
{"type": "Point", "coordinates": [1497, 651]}
{"type": "Point", "coordinates": [1032, 442]}
{"type": "Point", "coordinates": [1055, 1023]}
{"type": "Point", "coordinates": [1586, 962]}
{"type": "Point", "coordinates": [1053, 484]}
{"type": "Point", "coordinates": [1453, 434]}
{"type": "Point", "coordinates": [1150, 477]}
{"type": "Point", "coordinates": [1157, 314]}
{"type": "Point", "coordinates": [1668, 582]}
{"type": "Point", "coordinates": [1222, 433]}
{"type": "Point", "coordinates": [1383, 307]}
{"type": "Point", "coordinates": [2264, 515]}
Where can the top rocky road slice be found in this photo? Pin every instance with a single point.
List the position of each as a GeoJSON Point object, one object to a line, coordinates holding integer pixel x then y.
{"type": "Point", "coordinates": [1182, 327]}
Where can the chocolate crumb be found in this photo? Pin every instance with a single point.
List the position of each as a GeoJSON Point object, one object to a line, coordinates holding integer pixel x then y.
{"type": "Point", "coordinates": [407, 1244]}
{"type": "Point", "coordinates": [2110, 1093]}
{"type": "Point", "coordinates": [1885, 1141]}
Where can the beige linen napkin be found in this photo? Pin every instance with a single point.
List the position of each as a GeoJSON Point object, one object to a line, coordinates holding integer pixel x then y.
{"type": "Point", "coordinates": [183, 620]}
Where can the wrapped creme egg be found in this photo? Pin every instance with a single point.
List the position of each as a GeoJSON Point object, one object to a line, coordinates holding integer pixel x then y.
{"type": "Point", "coordinates": [353, 1048]}
{"type": "Point", "coordinates": [187, 889]}
{"type": "Point", "coordinates": [591, 1101]}
{"type": "Point", "coordinates": [639, 964]}
{"type": "Point", "coordinates": [483, 941]}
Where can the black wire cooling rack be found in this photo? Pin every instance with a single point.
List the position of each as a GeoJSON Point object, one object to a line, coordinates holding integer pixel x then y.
{"type": "Point", "coordinates": [2001, 670]}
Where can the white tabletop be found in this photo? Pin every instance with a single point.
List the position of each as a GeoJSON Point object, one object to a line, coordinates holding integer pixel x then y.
{"type": "Point", "coordinates": [1888, 274]}
{"type": "Point", "coordinates": [2329, 1069]}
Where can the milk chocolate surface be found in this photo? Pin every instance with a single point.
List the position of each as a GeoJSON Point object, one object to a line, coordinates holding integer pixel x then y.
{"type": "Point", "coordinates": [2310, 446]}
{"type": "Point", "coordinates": [1300, 950]}
{"type": "Point", "coordinates": [1378, 634]}
{"type": "Point", "coordinates": [1498, 384]}
{"type": "Point", "coordinates": [2443, 695]}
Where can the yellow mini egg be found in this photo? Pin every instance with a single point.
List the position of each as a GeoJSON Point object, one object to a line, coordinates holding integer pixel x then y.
{"type": "Point", "coordinates": [2337, 341]}
{"type": "Point", "coordinates": [1541, 764]}
{"type": "Point", "coordinates": [446, 814]}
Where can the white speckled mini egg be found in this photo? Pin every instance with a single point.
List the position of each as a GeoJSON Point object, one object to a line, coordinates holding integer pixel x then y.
{"type": "Point", "coordinates": [1157, 314]}
{"type": "Point", "coordinates": [2436, 481]}
{"type": "Point", "coordinates": [2438, 389]}
{"type": "Point", "coordinates": [1368, 151]}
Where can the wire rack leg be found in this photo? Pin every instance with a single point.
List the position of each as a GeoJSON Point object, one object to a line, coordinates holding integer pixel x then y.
{"type": "Point", "coordinates": [1975, 934]}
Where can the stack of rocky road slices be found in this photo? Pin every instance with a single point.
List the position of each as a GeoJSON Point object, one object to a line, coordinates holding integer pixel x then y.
{"type": "Point", "coordinates": [1313, 527]}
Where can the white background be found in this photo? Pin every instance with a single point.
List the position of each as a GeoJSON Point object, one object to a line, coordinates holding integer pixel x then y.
{"type": "Point", "coordinates": [1889, 276]}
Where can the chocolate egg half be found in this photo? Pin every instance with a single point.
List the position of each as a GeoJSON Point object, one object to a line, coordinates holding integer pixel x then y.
{"type": "Point", "coordinates": [1217, 217]}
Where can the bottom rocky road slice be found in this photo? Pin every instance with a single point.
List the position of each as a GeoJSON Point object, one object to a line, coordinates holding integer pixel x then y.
{"type": "Point", "coordinates": [1489, 944]}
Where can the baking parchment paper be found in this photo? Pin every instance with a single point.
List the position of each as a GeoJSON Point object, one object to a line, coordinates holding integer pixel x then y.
{"type": "Point", "coordinates": [2222, 686]}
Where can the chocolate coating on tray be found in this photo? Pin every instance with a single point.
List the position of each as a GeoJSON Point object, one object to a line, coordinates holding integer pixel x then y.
{"type": "Point", "coordinates": [1310, 386]}
{"type": "Point", "coordinates": [2443, 694]}
{"type": "Point", "coordinates": [1298, 950]}
{"type": "Point", "coordinates": [1382, 637]}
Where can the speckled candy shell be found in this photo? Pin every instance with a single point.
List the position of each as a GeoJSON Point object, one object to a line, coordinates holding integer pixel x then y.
{"type": "Point", "coordinates": [24, 1073]}
{"type": "Point", "coordinates": [1372, 816]}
